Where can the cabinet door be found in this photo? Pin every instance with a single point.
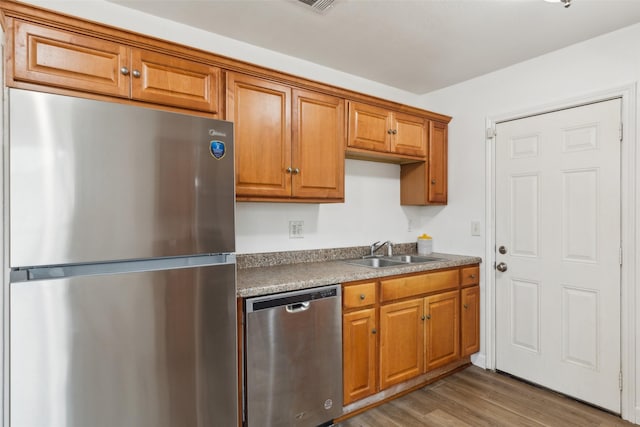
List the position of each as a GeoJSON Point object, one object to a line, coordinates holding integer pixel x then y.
{"type": "Point", "coordinates": [369, 127]}
{"type": "Point", "coordinates": [442, 339]}
{"type": "Point", "coordinates": [317, 147]}
{"type": "Point", "coordinates": [261, 112]}
{"type": "Point", "coordinates": [401, 342]}
{"type": "Point", "coordinates": [359, 330]}
{"type": "Point", "coordinates": [437, 172]}
{"type": "Point", "coordinates": [167, 80]}
{"type": "Point", "coordinates": [63, 59]}
{"type": "Point", "coordinates": [470, 320]}
{"type": "Point", "coordinates": [410, 135]}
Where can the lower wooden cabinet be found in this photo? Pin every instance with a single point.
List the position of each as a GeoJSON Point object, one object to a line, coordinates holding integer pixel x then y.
{"type": "Point", "coordinates": [442, 342]}
{"type": "Point", "coordinates": [400, 327]}
{"type": "Point", "coordinates": [359, 350]}
{"type": "Point", "coordinates": [470, 320]}
{"type": "Point", "coordinates": [401, 342]}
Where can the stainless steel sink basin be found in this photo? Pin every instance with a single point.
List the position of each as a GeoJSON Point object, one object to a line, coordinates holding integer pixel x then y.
{"type": "Point", "coordinates": [391, 261]}
{"type": "Point", "coordinates": [374, 262]}
{"type": "Point", "coordinates": [412, 259]}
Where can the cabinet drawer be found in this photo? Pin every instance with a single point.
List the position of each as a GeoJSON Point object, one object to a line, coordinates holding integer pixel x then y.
{"type": "Point", "coordinates": [360, 295]}
{"type": "Point", "coordinates": [470, 276]}
{"type": "Point", "coordinates": [415, 285]}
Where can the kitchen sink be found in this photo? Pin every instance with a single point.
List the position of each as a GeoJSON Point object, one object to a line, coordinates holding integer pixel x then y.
{"type": "Point", "coordinates": [375, 262]}
{"type": "Point", "coordinates": [391, 261]}
{"type": "Point", "coordinates": [412, 259]}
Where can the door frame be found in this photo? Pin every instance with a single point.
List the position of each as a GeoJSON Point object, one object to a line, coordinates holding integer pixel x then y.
{"type": "Point", "coordinates": [630, 220]}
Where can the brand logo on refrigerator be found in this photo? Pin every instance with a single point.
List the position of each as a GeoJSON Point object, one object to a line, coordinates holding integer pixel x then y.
{"type": "Point", "coordinates": [217, 149]}
{"type": "Point", "coordinates": [213, 132]}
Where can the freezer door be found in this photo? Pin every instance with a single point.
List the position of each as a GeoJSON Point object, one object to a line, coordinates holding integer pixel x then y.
{"type": "Point", "coordinates": [152, 349]}
{"type": "Point", "coordinates": [97, 181]}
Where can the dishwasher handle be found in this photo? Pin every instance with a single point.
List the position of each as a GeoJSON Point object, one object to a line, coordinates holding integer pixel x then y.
{"type": "Point", "coordinates": [298, 307]}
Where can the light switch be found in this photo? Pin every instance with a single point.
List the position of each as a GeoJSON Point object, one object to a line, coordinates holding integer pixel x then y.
{"type": "Point", "coordinates": [475, 228]}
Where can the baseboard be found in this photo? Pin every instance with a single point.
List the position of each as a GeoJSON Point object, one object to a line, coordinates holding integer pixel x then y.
{"type": "Point", "coordinates": [637, 416]}
{"type": "Point", "coordinates": [479, 360]}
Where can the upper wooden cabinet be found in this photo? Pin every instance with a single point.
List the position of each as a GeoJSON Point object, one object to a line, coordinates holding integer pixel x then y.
{"type": "Point", "coordinates": [261, 112]}
{"type": "Point", "coordinates": [54, 57]}
{"type": "Point", "coordinates": [425, 183]}
{"type": "Point", "coordinates": [277, 158]}
{"type": "Point", "coordinates": [437, 171]}
{"type": "Point", "coordinates": [380, 130]}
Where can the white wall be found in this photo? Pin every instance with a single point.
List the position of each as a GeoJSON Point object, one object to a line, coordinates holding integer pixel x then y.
{"type": "Point", "coordinates": [598, 65]}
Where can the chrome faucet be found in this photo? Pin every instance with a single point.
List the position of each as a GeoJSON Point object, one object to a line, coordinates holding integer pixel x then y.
{"type": "Point", "coordinates": [377, 245]}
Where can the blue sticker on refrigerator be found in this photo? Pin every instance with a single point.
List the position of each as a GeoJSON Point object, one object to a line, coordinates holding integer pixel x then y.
{"type": "Point", "coordinates": [217, 149]}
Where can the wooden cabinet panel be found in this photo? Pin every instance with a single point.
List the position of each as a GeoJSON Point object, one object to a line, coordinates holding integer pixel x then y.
{"type": "Point", "coordinates": [411, 135]}
{"type": "Point", "coordinates": [261, 111]}
{"type": "Point", "coordinates": [168, 80]}
{"type": "Point", "coordinates": [401, 342]}
{"type": "Point", "coordinates": [359, 330]}
{"type": "Point", "coordinates": [437, 175]}
{"type": "Point", "coordinates": [470, 276]}
{"type": "Point", "coordinates": [369, 127]}
{"type": "Point", "coordinates": [360, 295]}
{"type": "Point", "coordinates": [407, 286]}
{"type": "Point", "coordinates": [470, 320]}
{"type": "Point", "coordinates": [442, 339]}
{"type": "Point", "coordinates": [317, 146]}
{"type": "Point", "coordinates": [63, 59]}
{"type": "Point", "coordinates": [425, 183]}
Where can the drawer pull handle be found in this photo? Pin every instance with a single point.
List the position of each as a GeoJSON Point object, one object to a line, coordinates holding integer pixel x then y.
{"type": "Point", "coordinates": [362, 296]}
{"type": "Point", "coordinates": [473, 276]}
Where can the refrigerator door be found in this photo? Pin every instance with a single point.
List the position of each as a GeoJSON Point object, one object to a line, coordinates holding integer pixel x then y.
{"type": "Point", "coordinates": [97, 181]}
{"type": "Point", "coordinates": [146, 349]}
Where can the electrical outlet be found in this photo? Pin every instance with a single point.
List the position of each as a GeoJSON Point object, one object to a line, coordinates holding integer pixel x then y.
{"type": "Point", "coordinates": [296, 229]}
{"type": "Point", "coordinates": [475, 228]}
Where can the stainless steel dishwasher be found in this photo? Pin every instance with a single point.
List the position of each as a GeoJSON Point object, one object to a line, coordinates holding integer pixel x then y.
{"type": "Point", "coordinates": [293, 359]}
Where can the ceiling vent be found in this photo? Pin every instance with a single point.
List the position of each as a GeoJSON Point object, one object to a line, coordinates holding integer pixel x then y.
{"type": "Point", "coordinates": [318, 5]}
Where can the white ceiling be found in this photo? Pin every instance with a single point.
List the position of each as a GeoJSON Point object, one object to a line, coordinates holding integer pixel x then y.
{"type": "Point", "coordinates": [418, 46]}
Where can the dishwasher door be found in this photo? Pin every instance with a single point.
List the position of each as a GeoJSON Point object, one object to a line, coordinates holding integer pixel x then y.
{"type": "Point", "coordinates": [294, 358]}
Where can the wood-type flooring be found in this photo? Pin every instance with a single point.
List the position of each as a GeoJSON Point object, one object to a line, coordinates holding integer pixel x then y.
{"type": "Point", "coordinates": [475, 397]}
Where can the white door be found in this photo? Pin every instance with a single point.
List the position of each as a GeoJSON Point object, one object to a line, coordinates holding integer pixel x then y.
{"type": "Point", "coordinates": [558, 224]}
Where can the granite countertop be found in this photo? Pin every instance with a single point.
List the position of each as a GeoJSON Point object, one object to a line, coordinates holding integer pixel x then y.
{"type": "Point", "coordinates": [264, 280]}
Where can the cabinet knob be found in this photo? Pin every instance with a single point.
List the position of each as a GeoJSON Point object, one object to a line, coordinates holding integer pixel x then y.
{"type": "Point", "coordinates": [288, 170]}
{"type": "Point", "coordinates": [395, 131]}
{"type": "Point", "coordinates": [423, 317]}
{"type": "Point", "coordinates": [373, 331]}
{"type": "Point", "coordinates": [473, 276]}
{"type": "Point", "coordinates": [362, 296]}
{"type": "Point", "coordinates": [124, 71]}
{"type": "Point", "coordinates": [433, 182]}
{"type": "Point", "coordinates": [296, 171]}
{"type": "Point", "coordinates": [136, 73]}
{"type": "Point", "coordinates": [466, 306]}
{"type": "Point", "coordinates": [428, 316]}
{"type": "Point", "coordinates": [389, 131]}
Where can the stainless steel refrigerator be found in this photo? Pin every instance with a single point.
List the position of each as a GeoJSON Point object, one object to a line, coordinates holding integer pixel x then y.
{"type": "Point", "coordinates": [122, 268]}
